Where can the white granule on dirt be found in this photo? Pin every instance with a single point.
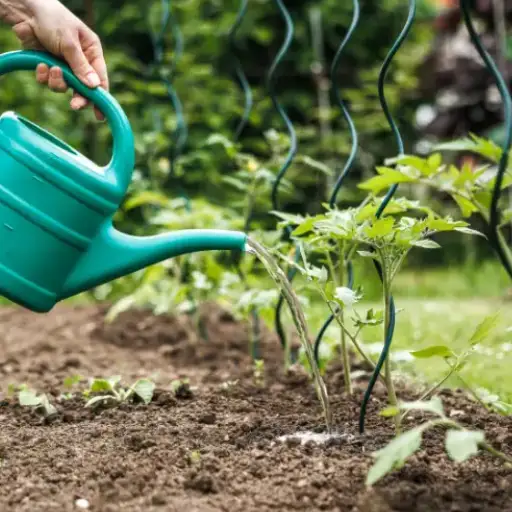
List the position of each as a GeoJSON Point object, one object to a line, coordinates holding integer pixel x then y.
{"type": "Point", "coordinates": [312, 437]}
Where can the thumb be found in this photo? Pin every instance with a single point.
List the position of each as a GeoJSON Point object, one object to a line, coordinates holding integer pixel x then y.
{"type": "Point", "coordinates": [26, 35]}
{"type": "Point", "coordinates": [75, 57]}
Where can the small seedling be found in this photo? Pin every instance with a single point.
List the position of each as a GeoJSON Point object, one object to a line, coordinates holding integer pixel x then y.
{"type": "Point", "coordinates": [12, 389]}
{"type": "Point", "coordinates": [229, 386]}
{"type": "Point", "coordinates": [194, 457]}
{"type": "Point", "coordinates": [40, 403]}
{"type": "Point", "coordinates": [113, 394]}
{"type": "Point", "coordinates": [181, 388]}
{"type": "Point", "coordinates": [457, 361]}
{"type": "Point", "coordinates": [258, 373]}
{"type": "Point", "coordinates": [69, 383]}
{"type": "Point", "coordinates": [460, 443]}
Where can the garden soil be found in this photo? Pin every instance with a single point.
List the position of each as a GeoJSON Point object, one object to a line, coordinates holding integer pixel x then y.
{"type": "Point", "coordinates": [216, 445]}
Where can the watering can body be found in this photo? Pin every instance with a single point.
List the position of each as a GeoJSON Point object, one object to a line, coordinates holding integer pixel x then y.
{"type": "Point", "coordinates": [56, 207]}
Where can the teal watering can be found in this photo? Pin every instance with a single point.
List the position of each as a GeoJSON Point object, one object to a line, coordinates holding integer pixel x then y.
{"type": "Point", "coordinates": [56, 207]}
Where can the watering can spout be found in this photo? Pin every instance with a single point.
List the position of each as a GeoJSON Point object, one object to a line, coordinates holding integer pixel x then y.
{"type": "Point", "coordinates": [114, 254]}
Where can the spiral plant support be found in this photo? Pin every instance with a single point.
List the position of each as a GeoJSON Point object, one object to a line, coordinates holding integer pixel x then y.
{"type": "Point", "coordinates": [244, 120]}
{"type": "Point", "coordinates": [335, 91]}
{"type": "Point", "coordinates": [494, 218]}
{"type": "Point", "coordinates": [291, 152]}
{"type": "Point", "coordinates": [180, 134]}
{"type": "Point", "coordinates": [239, 71]}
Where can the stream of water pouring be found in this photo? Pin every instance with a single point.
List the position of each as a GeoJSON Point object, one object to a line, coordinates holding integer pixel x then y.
{"type": "Point", "coordinates": [299, 320]}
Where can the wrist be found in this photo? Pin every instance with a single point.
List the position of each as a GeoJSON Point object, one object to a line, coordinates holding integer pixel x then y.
{"type": "Point", "coordinates": [17, 11]}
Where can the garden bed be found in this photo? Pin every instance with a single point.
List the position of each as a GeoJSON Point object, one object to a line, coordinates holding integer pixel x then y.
{"type": "Point", "coordinates": [217, 448]}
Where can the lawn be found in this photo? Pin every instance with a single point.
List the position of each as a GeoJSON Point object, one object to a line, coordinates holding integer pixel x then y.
{"type": "Point", "coordinates": [443, 307]}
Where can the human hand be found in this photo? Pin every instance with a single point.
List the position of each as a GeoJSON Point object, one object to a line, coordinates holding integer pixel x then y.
{"type": "Point", "coordinates": [48, 25]}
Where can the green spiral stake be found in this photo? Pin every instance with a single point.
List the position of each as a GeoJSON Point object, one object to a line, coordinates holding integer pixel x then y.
{"type": "Point", "coordinates": [335, 91]}
{"type": "Point", "coordinates": [291, 152]}
{"type": "Point", "coordinates": [494, 219]}
{"type": "Point", "coordinates": [248, 104]}
{"type": "Point", "coordinates": [181, 132]}
{"type": "Point", "coordinates": [239, 71]}
{"type": "Point", "coordinates": [396, 131]}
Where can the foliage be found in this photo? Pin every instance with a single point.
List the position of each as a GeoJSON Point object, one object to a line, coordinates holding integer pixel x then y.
{"type": "Point", "coordinates": [39, 402]}
{"type": "Point", "coordinates": [471, 188]}
{"type": "Point", "coordinates": [109, 392]}
{"type": "Point", "coordinates": [460, 443]}
{"type": "Point", "coordinates": [337, 235]}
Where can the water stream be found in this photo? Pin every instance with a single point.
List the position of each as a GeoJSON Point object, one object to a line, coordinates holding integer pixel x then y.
{"type": "Point", "coordinates": [299, 320]}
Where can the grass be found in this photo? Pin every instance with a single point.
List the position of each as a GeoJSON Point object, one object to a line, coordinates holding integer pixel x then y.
{"type": "Point", "coordinates": [443, 307]}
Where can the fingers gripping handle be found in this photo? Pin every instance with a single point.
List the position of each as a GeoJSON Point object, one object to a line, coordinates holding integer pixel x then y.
{"type": "Point", "coordinates": [123, 157]}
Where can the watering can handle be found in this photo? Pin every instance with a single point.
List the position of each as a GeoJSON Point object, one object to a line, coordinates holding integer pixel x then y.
{"type": "Point", "coordinates": [123, 157]}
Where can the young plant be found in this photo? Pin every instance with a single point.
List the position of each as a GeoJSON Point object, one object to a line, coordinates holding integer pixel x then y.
{"type": "Point", "coordinates": [69, 383]}
{"type": "Point", "coordinates": [471, 188]}
{"type": "Point", "coordinates": [457, 361]}
{"type": "Point", "coordinates": [110, 393]}
{"type": "Point", "coordinates": [460, 443]}
{"type": "Point", "coordinates": [181, 388]}
{"type": "Point", "coordinates": [388, 240]}
{"type": "Point", "coordinates": [39, 402]}
{"type": "Point", "coordinates": [258, 373]}
{"type": "Point", "coordinates": [229, 386]}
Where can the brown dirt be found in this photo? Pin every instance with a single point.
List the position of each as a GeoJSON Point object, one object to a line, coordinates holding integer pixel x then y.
{"type": "Point", "coordinates": [218, 449]}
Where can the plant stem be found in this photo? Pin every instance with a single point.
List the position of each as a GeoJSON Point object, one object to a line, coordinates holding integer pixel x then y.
{"type": "Point", "coordinates": [490, 449]}
{"type": "Point", "coordinates": [431, 390]}
{"type": "Point", "coordinates": [354, 341]}
{"type": "Point", "coordinates": [338, 281]}
{"type": "Point", "coordinates": [344, 347]}
{"type": "Point", "coordinates": [392, 399]}
{"type": "Point", "coordinates": [472, 393]}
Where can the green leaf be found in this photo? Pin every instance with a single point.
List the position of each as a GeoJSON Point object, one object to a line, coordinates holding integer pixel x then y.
{"type": "Point", "coordinates": [388, 178]}
{"type": "Point", "coordinates": [380, 228]}
{"type": "Point", "coordinates": [394, 455]}
{"type": "Point", "coordinates": [99, 385]}
{"type": "Point", "coordinates": [433, 351]}
{"type": "Point", "coordinates": [484, 198]}
{"type": "Point", "coordinates": [426, 244]}
{"type": "Point", "coordinates": [434, 405]}
{"type": "Point", "coordinates": [390, 411]}
{"type": "Point", "coordinates": [466, 206]}
{"type": "Point", "coordinates": [469, 231]}
{"type": "Point", "coordinates": [69, 382]}
{"type": "Point", "coordinates": [485, 328]}
{"type": "Point", "coordinates": [28, 398]}
{"type": "Point", "coordinates": [235, 182]}
{"type": "Point", "coordinates": [474, 144]}
{"type": "Point", "coordinates": [144, 389]}
{"type": "Point", "coordinates": [443, 224]}
{"type": "Point", "coordinates": [304, 227]}
{"type": "Point", "coordinates": [463, 444]}
{"type": "Point", "coordinates": [434, 162]}
{"type": "Point", "coordinates": [48, 408]}
{"type": "Point", "coordinates": [315, 164]}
